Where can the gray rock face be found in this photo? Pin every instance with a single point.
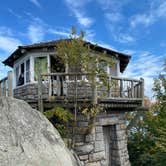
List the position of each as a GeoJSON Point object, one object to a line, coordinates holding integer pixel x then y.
{"type": "Point", "coordinates": [27, 138]}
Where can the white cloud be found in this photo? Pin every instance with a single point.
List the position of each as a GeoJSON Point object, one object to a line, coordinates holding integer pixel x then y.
{"type": "Point", "coordinates": [89, 35]}
{"type": "Point", "coordinates": [14, 13]}
{"type": "Point", "coordinates": [8, 44]}
{"type": "Point", "coordinates": [113, 17]}
{"type": "Point", "coordinates": [147, 66]}
{"type": "Point", "coordinates": [124, 38]}
{"type": "Point", "coordinates": [129, 52]}
{"type": "Point", "coordinates": [113, 5]}
{"type": "Point", "coordinates": [5, 31]}
{"type": "Point", "coordinates": [77, 10]}
{"type": "Point", "coordinates": [59, 32]}
{"type": "Point", "coordinates": [36, 3]}
{"type": "Point", "coordinates": [35, 33]}
{"type": "Point", "coordinates": [157, 10]}
{"type": "Point", "coordinates": [143, 19]}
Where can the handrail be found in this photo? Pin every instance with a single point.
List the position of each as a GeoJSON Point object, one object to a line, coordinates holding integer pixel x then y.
{"type": "Point", "coordinates": [61, 84]}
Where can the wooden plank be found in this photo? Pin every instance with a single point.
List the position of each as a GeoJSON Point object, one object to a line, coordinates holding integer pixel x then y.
{"type": "Point", "coordinates": [40, 101]}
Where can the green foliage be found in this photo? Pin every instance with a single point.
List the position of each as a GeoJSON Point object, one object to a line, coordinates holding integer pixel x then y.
{"type": "Point", "coordinates": [59, 117]}
{"type": "Point", "coordinates": [78, 55]}
{"type": "Point", "coordinates": [147, 136]}
{"type": "Point", "coordinates": [90, 112]}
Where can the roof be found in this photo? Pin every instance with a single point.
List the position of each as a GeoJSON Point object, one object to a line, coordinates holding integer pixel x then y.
{"type": "Point", "coordinates": [19, 52]}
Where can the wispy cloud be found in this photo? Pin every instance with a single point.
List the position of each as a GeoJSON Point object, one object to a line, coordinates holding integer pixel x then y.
{"type": "Point", "coordinates": [143, 64]}
{"type": "Point", "coordinates": [77, 9]}
{"type": "Point", "coordinates": [36, 3]}
{"type": "Point", "coordinates": [8, 42]}
{"type": "Point", "coordinates": [157, 10]}
{"type": "Point", "coordinates": [114, 5]}
{"type": "Point", "coordinates": [59, 31]}
{"type": "Point", "coordinates": [14, 13]}
{"type": "Point", "coordinates": [113, 17]}
{"type": "Point", "coordinates": [35, 33]}
{"type": "Point", "coordinates": [123, 38]}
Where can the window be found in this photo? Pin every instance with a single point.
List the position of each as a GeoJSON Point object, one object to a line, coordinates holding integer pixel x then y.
{"type": "Point", "coordinates": [21, 75]}
{"type": "Point", "coordinates": [102, 66]}
{"type": "Point", "coordinates": [17, 75]}
{"type": "Point", "coordinates": [27, 72]}
{"type": "Point", "coordinates": [40, 66]}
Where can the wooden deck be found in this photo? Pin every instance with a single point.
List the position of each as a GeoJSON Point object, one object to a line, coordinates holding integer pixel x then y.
{"type": "Point", "coordinates": [70, 88]}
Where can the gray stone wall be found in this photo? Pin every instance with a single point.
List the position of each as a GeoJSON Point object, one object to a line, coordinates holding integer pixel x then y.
{"type": "Point", "coordinates": [29, 92]}
{"type": "Point", "coordinates": [91, 146]}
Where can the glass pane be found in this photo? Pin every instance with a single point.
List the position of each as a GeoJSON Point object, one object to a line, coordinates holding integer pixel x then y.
{"type": "Point", "coordinates": [21, 76]}
{"type": "Point", "coordinates": [17, 75]}
{"type": "Point", "coordinates": [28, 70]}
{"type": "Point", "coordinates": [40, 66]}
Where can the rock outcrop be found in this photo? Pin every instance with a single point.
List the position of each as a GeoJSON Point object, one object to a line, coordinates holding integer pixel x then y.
{"type": "Point", "coordinates": [27, 138]}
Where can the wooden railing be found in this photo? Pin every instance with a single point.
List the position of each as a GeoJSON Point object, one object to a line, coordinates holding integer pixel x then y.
{"type": "Point", "coordinates": [80, 84]}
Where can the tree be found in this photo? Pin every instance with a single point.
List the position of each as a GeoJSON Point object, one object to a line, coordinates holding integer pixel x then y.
{"type": "Point", "coordinates": [79, 57]}
{"type": "Point", "coordinates": [147, 136]}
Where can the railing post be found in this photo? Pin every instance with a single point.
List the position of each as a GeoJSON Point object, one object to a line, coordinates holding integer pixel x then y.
{"type": "Point", "coordinates": [142, 90]}
{"type": "Point", "coordinates": [109, 84]}
{"type": "Point", "coordinates": [121, 88]}
{"type": "Point", "coordinates": [40, 100]}
{"type": "Point", "coordinates": [50, 86]}
{"type": "Point", "coordinates": [132, 89]}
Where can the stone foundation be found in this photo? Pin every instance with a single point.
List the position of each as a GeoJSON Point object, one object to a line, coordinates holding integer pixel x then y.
{"type": "Point", "coordinates": [105, 144]}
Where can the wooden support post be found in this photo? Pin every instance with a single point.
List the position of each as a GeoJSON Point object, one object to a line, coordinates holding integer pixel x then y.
{"type": "Point", "coordinates": [132, 89]}
{"type": "Point", "coordinates": [142, 90]}
{"type": "Point", "coordinates": [109, 86]}
{"type": "Point", "coordinates": [121, 88]}
{"type": "Point", "coordinates": [10, 83]}
{"type": "Point", "coordinates": [50, 86]}
{"type": "Point", "coordinates": [94, 89]}
{"type": "Point", "coordinates": [40, 100]}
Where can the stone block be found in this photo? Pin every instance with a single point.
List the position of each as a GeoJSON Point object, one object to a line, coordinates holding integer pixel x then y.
{"type": "Point", "coordinates": [83, 157]}
{"type": "Point", "coordinates": [97, 156]}
{"type": "Point", "coordinates": [93, 164]}
{"type": "Point", "coordinates": [99, 136]}
{"type": "Point", "coordinates": [99, 146]}
{"type": "Point", "coordinates": [84, 149]}
{"type": "Point", "coordinates": [82, 123]}
{"type": "Point", "coordinates": [99, 129]}
{"type": "Point", "coordinates": [90, 138]}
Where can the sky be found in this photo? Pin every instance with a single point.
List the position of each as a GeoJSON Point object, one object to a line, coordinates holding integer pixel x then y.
{"type": "Point", "coordinates": [137, 28]}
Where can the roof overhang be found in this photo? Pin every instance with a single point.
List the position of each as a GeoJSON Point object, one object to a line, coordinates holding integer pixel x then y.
{"type": "Point", "coordinates": [19, 52]}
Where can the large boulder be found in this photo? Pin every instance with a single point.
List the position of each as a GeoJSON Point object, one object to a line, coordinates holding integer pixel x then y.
{"type": "Point", "coordinates": [27, 138]}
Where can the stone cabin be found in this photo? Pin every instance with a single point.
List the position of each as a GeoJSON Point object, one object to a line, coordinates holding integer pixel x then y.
{"type": "Point", "coordinates": [106, 144]}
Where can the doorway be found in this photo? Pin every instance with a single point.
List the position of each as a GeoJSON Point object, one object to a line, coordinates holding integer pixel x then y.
{"type": "Point", "coordinates": [109, 133]}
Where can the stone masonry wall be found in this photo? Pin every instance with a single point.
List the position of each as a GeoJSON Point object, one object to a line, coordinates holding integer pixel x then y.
{"type": "Point", "coordinates": [29, 92]}
{"type": "Point", "coordinates": [91, 147]}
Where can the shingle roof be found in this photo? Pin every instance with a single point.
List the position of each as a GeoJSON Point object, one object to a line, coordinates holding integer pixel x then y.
{"type": "Point", "coordinates": [124, 58]}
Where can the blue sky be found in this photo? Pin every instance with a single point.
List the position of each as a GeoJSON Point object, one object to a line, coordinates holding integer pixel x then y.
{"type": "Point", "coordinates": [129, 26]}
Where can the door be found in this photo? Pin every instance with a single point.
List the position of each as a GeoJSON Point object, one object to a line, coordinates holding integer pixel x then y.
{"type": "Point", "coordinates": [106, 133]}
{"type": "Point", "coordinates": [109, 133]}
